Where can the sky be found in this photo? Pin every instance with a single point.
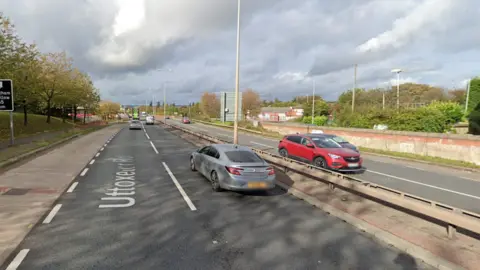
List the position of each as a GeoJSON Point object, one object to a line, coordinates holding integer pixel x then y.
{"type": "Point", "coordinates": [134, 49]}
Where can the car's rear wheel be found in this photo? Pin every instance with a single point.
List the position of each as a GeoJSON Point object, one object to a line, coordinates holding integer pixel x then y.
{"type": "Point", "coordinates": [192, 164]}
{"type": "Point", "coordinates": [320, 162]}
{"type": "Point", "coordinates": [215, 182]}
{"type": "Point", "coordinates": [283, 152]}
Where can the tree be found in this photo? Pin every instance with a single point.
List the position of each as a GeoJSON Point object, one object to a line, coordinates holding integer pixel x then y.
{"type": "Point", "coordinates": [474, 95]}
{"type": "Point", "coordinates": [251, 102]}
{"type": "Point", "coordinates": [458, 96]}
{"type": "Point", "coordinates": [108, 108]}
{"type": "Point", "coordinates": [321, 107]}
{"type": "Point", "coordinates": [210, 105]}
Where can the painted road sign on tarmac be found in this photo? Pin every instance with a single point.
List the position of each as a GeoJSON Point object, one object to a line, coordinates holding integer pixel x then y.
{"type": "Point", "coordinates": [6, 95]}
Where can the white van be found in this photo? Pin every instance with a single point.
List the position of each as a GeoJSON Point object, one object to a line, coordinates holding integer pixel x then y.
{"type": "Point", "coordinates": [150, 120]}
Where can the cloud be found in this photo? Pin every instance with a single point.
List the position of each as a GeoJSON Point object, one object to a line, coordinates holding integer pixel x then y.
{"type": "Point", "coordinates": [284, 44]}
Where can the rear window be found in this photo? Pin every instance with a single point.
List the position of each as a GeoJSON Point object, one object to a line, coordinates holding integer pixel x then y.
{"type": "Point", "coordinates": [242, 156]}
{"type": "Point", "coordinates": [135, 121]}
{"type": "Point", "coordinates": [339, 139]}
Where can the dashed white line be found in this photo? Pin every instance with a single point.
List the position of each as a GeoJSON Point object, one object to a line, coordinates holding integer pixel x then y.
{"type": "Point", "coordinates": [154, 148]}
{"type": "Point", "coordinates": [18, 259]}
{"type": "Point", "coordinates": [84, 172]}
{"type": "Point", "coordinates": [98, 154]}
{"type": "Point", "coordinates": [91, 162]}
{"type": "Point", "coordinates": [262, 144]}
{"type": "Point", "coordinates": [146, 134]}
{"type": "Point", "coordinates": [413, 167]}
{"type": "Point", "coordinates": [72, 187]}
{"type": "Point", "coordinates": [179, 187]}
{"type": "Point", "coordinates": [52, 214]}
{"type": "Point", "coordinates": [101, 149]}
{"type": "Point", "coordinates": [426, 185]}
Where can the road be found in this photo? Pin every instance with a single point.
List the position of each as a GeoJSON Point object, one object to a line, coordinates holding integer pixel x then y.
{"type": "Point", "coordinates": [171, 219]}
{"type": "Point", "coordinates": [453, 187]}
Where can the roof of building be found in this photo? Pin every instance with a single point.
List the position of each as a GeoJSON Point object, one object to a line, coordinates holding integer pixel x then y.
{"type": "Point", "coordinates": [276, 109]}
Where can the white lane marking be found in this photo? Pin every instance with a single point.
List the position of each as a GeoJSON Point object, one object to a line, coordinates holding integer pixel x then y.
{"type": "Point", "coordinates": [84, 172]}
{"type": "Point", "coordinates": [179, 187]}
{"type": "Point", "coordinates": [18, 259]}
{"type": "Point", "coordinates": [105, 145]}
{"type": "Point", "coordinates": [72, 187]}
{"type": "Point", "coordinates": [426, 185]}
{"type": "Point", "coordinates": [154, 148]}
{"type": "Point", "coordinates": [470, 179]}
{"type": "Point", "coordinates": [91, 162]}
{"type": "Point", "coordinates": [52, 214]}
{"type": "Point", "coordinates": [98, 154]}
{"type": "Point", "coordinates": [412, 167]}
{"type": "Point", "coordinates": [101, 149]}
{"type": "Point", "coordinates": [262, 144]}
{"type": "Point", "coordinates": [146, 134]}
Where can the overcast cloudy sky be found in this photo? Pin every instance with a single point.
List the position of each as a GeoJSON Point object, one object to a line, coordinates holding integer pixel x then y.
{"type": "Point", "coordinates": [123, 43]}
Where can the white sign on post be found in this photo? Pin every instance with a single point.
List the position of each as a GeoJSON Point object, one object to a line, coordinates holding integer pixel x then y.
{"type": "Point", "coordinates": [6, 102]}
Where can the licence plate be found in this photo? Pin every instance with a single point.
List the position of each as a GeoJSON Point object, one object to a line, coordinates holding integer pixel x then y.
{"type": "Point", "coordinates": [352, 165]}
{"type": "Point", "coordinates": [257, 185]}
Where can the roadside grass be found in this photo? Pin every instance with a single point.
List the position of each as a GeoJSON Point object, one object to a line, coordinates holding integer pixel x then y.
{"type": "Point", "coordinates": [36, 124]}
{"type": "Point", "coordinates": [401, 155]}
{"type": "Point", "coordinates": [428, 159]}
{"type": "Point", "coordinates": [17, 150]}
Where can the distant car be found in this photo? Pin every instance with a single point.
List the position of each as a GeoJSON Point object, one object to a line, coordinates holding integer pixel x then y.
{"type": "Point", "coordinates": [135, 124]}
{"type": "Point", "coordinates": [150, 120]}
{"type": "Point", "coordinates": [322, 151]}
{"type": "Point", "coordinates": [233, 167]}
{"type": "Point", "coordinates": [185, 120]}
{"type": "Point", "coordinates": [342, 142]}
{"type": "Point", "coordinates": [168, 117]}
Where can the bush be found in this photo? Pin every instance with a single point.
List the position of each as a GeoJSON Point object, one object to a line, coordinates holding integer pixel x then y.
{"type": "Point", "coordinates": [426, 119]}
{"type": "Point", "coordinates": [363, 119]}
{"type": "Point", "coordinates": [474, 121]}
{"type": "Point", "coordinates": [452, 111]}
{"type": "Point", "coordinates": [318, 120]}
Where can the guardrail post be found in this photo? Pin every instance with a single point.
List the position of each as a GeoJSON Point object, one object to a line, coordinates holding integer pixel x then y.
{"type": "Point", "coordinates": [451, 229]}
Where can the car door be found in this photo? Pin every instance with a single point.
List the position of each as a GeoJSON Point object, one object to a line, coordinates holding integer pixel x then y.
{"type": "Point", "coordinates": [201, 159]}
{"type": "Point", "coordinates": [306, 153]}
{"type": "Point", "coordinates": [211, 160]}
{"type": "Point", "coordinates": [293, 146]}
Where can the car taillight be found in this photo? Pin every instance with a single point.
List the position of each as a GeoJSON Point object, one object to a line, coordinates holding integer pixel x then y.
{"type": "Point", "coordinates": [271, 171]}
{"type": "Point", "coordinates": [232, 170]}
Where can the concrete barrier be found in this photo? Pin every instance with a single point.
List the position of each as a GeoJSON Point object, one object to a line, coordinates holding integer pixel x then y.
{"type": "Point", "coordinates": [461, 147]}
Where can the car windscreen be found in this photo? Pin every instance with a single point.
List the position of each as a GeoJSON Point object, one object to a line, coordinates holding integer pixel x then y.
{"type": "Point", "coordinates": [324, 142]}
{"type": "Point", "coordinates": [242, 156]}
{"type": "Point", "coordinates": [339, 139]}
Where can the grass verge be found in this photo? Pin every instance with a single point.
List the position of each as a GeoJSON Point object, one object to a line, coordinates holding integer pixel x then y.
{"type": "Point", "coordinates": [427, 159]}
{"type": "Point", "coordinates": [36, 124]}
{"type": "Point", "coordinates": [18, 150]}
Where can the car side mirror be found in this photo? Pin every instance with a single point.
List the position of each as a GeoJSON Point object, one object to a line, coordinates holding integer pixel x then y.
{"type": "Point", "coordinates": [309, 145]}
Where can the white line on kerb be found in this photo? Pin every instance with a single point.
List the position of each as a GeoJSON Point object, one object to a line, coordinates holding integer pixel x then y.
{"type": "Point", "coordinates": [72, 187]}
{"type": "Point", "coordinates": [98, 154]}
{"type": "Point", "coordinates": [154, 148]}
{"type": "Point", "coordinates": [52, 214]}
{"type": "Point", "coordinates": [18, 259]}
{"type": "Point", "coordinates": [105, 145]}
{"type": "Point", "coordinates": [91, 162]}
{"type": "Point", "coordinates": [261, 144]}
{"type": "Point", "coordinates": [146, 134]}
{"type": "Point", "coordinates": [426, 185]}
{"type": "Point", "coordinates": [84, 172]}
{"type": "Point", "coordinates": [101, 149]}
{"type": "Point", "coordinates": [179, 187]}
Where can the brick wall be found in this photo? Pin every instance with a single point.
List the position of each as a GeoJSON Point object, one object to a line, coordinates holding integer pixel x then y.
{"type": "Point", "coordinates": [452, 146]}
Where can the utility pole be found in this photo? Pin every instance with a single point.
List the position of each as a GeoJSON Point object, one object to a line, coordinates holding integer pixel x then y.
{"type": "Point", "coordinates": [164, 103]}
{"type": "Point", "coordinates": [237, 79]}
{"type": "Point", "coordinates": [468, 95]}
{"type": "Point", "coordinates": [398, 86]}
{"type": "Point", "coordinates": [354, 87]}
{"type": "Point", "coordinates": [313, 101]}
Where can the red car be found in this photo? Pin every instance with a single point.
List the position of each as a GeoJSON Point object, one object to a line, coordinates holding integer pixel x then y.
{"type": "Point", "coordinates": [322, 151]}
{"type": "Point", "coordinates": [185, 120]}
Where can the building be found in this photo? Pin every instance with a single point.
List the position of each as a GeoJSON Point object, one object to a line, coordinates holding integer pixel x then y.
{"type": "Point", "coordinates": [278, 114]}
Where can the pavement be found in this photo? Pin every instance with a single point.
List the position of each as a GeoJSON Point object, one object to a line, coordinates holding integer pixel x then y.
{"type": "Point", "coordinates": [457, 188]}
{"type": "Point", "coordinates": [138, 206]}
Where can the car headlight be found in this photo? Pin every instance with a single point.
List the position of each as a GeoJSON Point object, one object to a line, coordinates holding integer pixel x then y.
{"type": "Point", "coordinates": [334, 156]}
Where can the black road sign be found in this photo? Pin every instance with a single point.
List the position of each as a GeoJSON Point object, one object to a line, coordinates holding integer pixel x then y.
{"type": "Point", "coordinates": [6, 95]}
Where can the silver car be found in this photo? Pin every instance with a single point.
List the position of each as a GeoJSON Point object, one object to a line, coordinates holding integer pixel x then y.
{"type": "Point", "coordinates": [233, 167]}
{"type": "Point", "coordinates": [135, 124]}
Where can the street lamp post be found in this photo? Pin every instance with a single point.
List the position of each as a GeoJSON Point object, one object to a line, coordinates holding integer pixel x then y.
{"type": "Point", "coordinates": [237, 78]}
{"type": "Point", "coordinates": [165, 95]}
{"type": "Point", "coordinates": [313, 101]}
{"type": "Point", "coordinates": [398, 85]}
{"type": "Point", "coordinates": [467, 95]}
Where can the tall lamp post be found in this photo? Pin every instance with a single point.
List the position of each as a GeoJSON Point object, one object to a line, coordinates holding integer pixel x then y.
{"type": "Point", "coordinates": [398, 71]}
{"type": "Point", "coordinates": [237, 78]}
{"type": "Point", "coordinates": [165, 95]}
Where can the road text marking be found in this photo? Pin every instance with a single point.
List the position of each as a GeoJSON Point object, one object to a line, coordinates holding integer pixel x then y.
{"type": "Point", "coordinates": [179, 187]}
{"type": "Point", "coordinates": [52, 214]}
{"type": "Point", "coordinates": [18, 259]}
{"type": "Point", "coordinates": [84, 172]}
{"type": "Point", "coordinates": [154, 148]}
{"type": "Point", "coordinates": [426, 185]}
{"type": "Point", "coordinates": [72, 187]}
{"type": "Point", "coordinates": [124, 184]}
